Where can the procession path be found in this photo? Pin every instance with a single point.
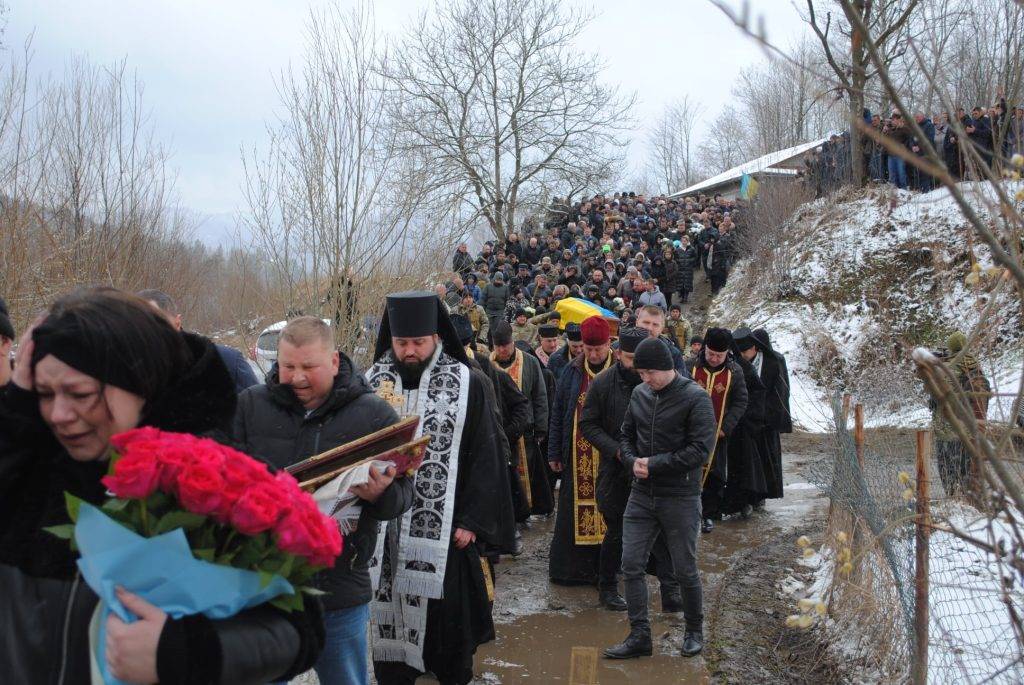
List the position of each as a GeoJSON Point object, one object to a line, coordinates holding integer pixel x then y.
{"type": "Point", "coordinates": [553, 634]}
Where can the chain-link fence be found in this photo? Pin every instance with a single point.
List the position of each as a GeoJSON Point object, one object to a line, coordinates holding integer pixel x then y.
{"type": "Point", "coordinates": [918, 580]}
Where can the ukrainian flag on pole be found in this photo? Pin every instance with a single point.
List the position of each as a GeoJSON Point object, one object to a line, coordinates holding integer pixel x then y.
{"type": "Point", "coordinates": [748, 187]}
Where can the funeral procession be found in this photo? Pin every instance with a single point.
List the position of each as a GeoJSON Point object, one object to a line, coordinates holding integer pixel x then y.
{"type": "Point", "coordinates": [482, 342]}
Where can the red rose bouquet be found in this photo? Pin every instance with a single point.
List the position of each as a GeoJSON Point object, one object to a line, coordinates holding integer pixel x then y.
{"type": "Point", "coordinates": [232, 510]}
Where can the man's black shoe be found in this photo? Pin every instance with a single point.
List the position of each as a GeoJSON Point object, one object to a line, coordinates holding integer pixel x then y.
{"type": "Point", "coordinates": [707, 526]}
{"type": "Point", "coordinates": [637, 644]}
{"type": "Point", "coordinates": [612, 600]}
{"type": "Point", "coordinates": [693, 643]}
{"type": "Point", "coordinates": [672, 603]}
{"type": "Point", "coordinates": [746, 511]}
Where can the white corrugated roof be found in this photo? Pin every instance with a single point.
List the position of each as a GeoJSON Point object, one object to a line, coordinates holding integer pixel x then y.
{"type": "Point", "coordinates": [751, 167]}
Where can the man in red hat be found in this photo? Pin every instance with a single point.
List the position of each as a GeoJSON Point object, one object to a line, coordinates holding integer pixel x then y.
{"type": "Point", "coordinates": [579, 528]}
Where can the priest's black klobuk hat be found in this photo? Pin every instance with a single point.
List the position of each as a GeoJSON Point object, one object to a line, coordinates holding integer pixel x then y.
{"type": "Point", "coordinates": [417, 314]}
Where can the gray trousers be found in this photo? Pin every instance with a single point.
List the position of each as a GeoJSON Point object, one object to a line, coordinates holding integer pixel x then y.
{"type": "Point", "coordinates": [678, 518]}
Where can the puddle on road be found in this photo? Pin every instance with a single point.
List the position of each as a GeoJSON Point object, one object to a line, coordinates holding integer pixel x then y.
{"type": "Point", "coordinates": [566, 648]}
{"type": "Point", "coordinates": [555, 634]}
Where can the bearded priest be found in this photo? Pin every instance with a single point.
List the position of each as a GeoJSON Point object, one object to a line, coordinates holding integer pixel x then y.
{"type": "Point", "coordinates": [432, 606]}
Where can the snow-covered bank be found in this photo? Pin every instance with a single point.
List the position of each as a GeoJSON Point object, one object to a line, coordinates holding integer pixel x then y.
{"type": "Point", "coordinates": [872, 274]}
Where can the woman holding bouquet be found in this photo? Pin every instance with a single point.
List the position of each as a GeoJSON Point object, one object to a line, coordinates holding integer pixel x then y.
{"type": "Point", "coordinates": [102, 362]}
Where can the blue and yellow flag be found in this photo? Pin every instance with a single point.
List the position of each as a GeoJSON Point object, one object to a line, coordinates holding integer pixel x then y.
{"type": "Point", "coordinates": [748, 187]}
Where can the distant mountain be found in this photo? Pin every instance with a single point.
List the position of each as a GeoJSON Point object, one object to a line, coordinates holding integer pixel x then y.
{"type": "Point", "coordinates": [217, 230]}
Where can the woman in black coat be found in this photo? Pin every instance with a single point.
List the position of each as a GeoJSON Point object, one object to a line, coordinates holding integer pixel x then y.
{"type": "Point", "coordinates": [100, 363]}
{"type": "Point", "coordinates": [686, 255]}
{"type": "Point", "coordinates": [671, 282]}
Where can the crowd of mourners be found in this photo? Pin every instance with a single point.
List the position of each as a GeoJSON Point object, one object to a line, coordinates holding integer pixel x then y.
{"type": "Point", "coordinates": [995, 132]}
{"type": "Point", "coordinates": [620, 252]}
{"type": "Point", "coordinates": [632, 431]}
{"type": "Point", "coordinates": [653, 431]}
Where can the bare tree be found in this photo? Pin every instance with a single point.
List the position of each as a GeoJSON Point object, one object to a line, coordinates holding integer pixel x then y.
{"type": "Point", "coordinates": [886, 23]}
{"type": "Point", "coordinates": [672, 146]}
{"type": "Point", "coordinates": [498, 101]}
{"type": "Point", "coordinates": [335, 203]}
{"type": "Point", "coordinates": [727, 142]}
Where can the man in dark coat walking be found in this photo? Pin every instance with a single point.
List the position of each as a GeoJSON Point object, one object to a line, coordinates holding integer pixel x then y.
{"type": "Point", "coordinates": [667, 434]}
{"type": "Point", "coordinates": [316, 399]}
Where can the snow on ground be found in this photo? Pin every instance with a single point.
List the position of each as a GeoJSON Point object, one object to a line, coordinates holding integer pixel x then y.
{"type": "Point", "coordinates": [871, 276]}
{"type": "Point", "coordinates": [971, 637]}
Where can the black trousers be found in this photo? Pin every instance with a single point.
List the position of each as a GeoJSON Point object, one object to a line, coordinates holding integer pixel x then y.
{"type": "Point", "coordinates": [712, 496]}
{"type": "Point", "coordinates": [611, 552]}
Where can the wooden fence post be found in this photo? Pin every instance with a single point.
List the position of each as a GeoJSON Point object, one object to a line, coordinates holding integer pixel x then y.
{"type": "Point", "coordinates": [855, 523]}
{"type": "Point", "coordinates": [858, 433]}
{"type": "Point", "coordinates": [919, 672]}
{"type": "Point", "coordinates": [847, 398]}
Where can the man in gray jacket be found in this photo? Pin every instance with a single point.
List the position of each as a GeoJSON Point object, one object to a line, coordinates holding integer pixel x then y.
{"type": "Point", "coordinates": [667, 435]}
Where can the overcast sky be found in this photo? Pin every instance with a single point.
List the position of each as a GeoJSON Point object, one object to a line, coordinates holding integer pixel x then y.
{"type": "Point", "coordinates": [208, 65]}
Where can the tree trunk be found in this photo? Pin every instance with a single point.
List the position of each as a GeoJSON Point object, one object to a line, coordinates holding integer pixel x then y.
{"type": "Point", "coordinates": [857, 81]}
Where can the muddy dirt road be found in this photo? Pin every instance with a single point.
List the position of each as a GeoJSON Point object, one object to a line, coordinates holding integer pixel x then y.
{"type": "Point", "coordinates": [553, 634]}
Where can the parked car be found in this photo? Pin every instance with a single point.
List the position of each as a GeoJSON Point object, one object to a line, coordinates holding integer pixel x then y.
{"type": "Point", "coordinates": [264, 352]}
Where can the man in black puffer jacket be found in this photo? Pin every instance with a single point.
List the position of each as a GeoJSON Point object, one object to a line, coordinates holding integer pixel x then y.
{"type": "Point", "coordinates": [316, 399]}
{"type": "Point", "coordinates": [667, 435]}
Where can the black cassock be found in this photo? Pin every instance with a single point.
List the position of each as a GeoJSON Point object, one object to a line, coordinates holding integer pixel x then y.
{"type": "Point", "coordinates": [746, 477]}
{"type": "Point", "coordinates": [461, 621]}
{"type": "Point", "coordinates": [777, 419]}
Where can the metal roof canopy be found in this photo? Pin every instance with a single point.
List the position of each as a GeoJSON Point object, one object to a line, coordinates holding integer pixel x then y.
{"type": "Point", "coordinates": [764, 163]}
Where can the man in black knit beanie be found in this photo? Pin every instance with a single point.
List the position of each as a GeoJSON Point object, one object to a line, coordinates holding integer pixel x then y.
{"type": "Point", "coordinates": [667, 436]}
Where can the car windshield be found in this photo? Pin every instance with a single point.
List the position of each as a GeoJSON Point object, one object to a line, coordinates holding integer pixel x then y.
{"type": "Point", "coordinates": [267, 342]}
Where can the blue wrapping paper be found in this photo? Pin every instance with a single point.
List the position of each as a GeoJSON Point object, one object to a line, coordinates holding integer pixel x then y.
{"type": "Point", "coordinates": [162, 571]}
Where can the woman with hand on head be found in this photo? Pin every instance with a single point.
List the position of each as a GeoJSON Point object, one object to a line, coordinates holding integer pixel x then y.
{"type": "Point", "coordinates": [101, 362]}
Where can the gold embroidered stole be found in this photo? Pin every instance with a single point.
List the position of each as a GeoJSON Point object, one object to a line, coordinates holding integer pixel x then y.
{"type": "Point", "coordinates": [588, 525]}
{"type": "Point", "coordinates": [522, 467]}
{"type": "Point", "coordinates": [716, 384]}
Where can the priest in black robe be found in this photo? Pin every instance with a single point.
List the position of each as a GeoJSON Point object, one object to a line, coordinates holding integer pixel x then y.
{"type": "Point", "coordinates": [525, 369]}
{"type": "Point", "coordinates": [432, 607]}
{"type": "Point", "coordinates": [745, 485]}
{"type": "Point", "coordinates": [774, 372]}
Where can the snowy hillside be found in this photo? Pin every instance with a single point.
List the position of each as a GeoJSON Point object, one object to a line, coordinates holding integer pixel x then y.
{"type": "Point", "coordinates": [871, 275]}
